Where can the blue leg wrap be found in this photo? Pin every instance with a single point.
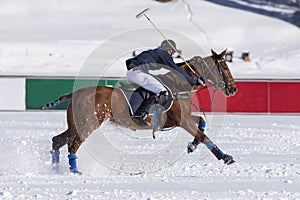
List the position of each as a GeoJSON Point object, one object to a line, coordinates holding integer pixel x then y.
{"type": "Point", "coordinates": [210, 144]}
{"type": "Point", "coordinates": [55, 160]}
{"type": "Point", "coordinates": [215, 150]}
{"type": "Point", "coordinates": [55, 156]}
{"type": "Point", "coordinates": [72, 163]}
{"type": "Point", "coordinates": [202, 126]}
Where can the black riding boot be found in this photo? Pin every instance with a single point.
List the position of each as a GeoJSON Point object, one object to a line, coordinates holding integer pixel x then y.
{"type": "Point", "coordinates": [142, 112]}
{"type": "Point", "coordinates": [163, 98]}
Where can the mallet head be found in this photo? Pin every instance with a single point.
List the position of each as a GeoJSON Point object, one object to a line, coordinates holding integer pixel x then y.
{"type": "Point", "coordinates": [142, 13]}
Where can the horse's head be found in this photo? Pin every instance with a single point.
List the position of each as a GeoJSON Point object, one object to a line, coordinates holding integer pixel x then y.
{"type": "Point", "coordinates": [215, 72]}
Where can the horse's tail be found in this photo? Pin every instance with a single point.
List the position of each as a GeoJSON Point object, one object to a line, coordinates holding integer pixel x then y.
{"type": "Point", "coordinates": [60, 100]}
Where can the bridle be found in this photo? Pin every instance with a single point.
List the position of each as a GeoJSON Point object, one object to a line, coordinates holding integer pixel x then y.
{"type": "Point", "coordinates": [210, 73]}
{"type": "Point", "coordinates": [226, 80]}
{"type": "Point", "coordinates": [209, 76]}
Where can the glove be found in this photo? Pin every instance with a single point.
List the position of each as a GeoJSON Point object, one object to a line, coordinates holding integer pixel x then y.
{"type": "Point", "coordinates": [194, 82]}
{"type": "Point", "coordinates": [200, 80]}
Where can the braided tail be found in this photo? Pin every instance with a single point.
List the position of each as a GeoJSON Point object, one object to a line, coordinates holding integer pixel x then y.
{"type": "Point", "coordinates": [57, 101]}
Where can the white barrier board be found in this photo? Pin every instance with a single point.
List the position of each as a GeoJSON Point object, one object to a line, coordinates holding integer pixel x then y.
{"type": "Point", "coordinates": [12, 92]}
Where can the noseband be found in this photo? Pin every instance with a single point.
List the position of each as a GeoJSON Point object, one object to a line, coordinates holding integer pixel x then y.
{"type": "Point", "coordinates": [224, 83]}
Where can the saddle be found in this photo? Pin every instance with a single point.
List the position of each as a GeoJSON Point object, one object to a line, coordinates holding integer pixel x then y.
{"type": "Point", "coordinates": [135, 95]}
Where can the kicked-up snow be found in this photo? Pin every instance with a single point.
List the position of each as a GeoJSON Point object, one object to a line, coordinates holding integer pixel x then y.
{"type": "Point", "coordinates": [266, 149]}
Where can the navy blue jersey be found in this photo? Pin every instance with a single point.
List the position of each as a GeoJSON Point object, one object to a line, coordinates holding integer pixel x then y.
{"type": "Point", "coordinates": [155, 59]}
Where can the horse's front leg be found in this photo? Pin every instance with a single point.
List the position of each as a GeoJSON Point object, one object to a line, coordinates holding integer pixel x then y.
{"type": "Point", "coordinates": [200, 137]}
{"type": "Point", "coordinates": [192, 146]}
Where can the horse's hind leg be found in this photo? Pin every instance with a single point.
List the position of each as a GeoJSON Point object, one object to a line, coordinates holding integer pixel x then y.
{"type": "Point", "coordinates": [61, 139]}
{"type": "Point", "coordinates": [73, 146]}
{"type": "Point", "coordinates": [73, 140]}
{"type": "Point", "coordinates": [57, 142]}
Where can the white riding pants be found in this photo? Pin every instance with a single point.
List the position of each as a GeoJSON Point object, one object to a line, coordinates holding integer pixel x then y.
{"type": "Point", "coordinates": [145, 80]}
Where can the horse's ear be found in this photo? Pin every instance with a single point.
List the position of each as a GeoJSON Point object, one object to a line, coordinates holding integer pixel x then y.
{"type": "Point", "coordinates": [223, 53]}
{"type": "Point", "coordinates": [213, 52]}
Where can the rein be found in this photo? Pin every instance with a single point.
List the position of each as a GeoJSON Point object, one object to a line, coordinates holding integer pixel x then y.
{"type": "Point", "coordinates": [207, 72]}
{"type": "Point", "coordinates": [209, 105]}
{"type": "Point", "coordinates": [186, 95]}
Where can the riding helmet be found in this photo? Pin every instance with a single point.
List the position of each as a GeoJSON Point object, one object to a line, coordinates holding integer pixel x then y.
{"type": "Point", "coordinates": [166, 45]}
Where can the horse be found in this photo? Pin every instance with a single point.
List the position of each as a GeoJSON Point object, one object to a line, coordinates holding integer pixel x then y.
{"type": "Point", "coordinates": [89, 107]}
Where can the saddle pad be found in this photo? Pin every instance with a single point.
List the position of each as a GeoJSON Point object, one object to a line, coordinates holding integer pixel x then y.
{"type": "Point", "coordinates": [136, 96]}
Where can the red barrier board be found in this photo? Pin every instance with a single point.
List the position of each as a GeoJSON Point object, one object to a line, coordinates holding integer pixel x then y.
{"type": "Point", "coordinates": [210, 100]}
{"type": "Point", "coordinates": [285, 97]}
{"type": "Point", "coordinates": [253, 97]}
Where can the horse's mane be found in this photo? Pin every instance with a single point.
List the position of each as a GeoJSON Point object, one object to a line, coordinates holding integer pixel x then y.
{"type": "Point", "coordinates": [175, 81]}
{"type": "Point", "coordinates": [193, 60]}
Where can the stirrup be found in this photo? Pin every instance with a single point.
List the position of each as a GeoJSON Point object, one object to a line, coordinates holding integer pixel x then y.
{"type": "Point", "coordinates": [156, 110]}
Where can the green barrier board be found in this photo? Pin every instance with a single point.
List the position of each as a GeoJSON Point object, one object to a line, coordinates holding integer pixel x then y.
{"type": "Point", "coordinates": [42, 91]}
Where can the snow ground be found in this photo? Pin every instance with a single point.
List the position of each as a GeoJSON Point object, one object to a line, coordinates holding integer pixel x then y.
{"type": "Point", "coordinates": [267, 167]}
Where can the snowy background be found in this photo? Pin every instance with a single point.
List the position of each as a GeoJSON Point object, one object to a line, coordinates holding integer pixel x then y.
{"type": "Point", "coordinates": [56, 37]}
{"type": "Point", "coordinates": [287, 10]}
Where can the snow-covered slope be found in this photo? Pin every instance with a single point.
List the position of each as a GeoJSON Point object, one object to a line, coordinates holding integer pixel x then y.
{"type": "Point", "coordinates": [56, 37]}
{"type": "Point", "coordinates": [287, 10]}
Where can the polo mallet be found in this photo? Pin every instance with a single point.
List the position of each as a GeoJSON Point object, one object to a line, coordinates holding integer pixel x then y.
{"type": "Point", "coordinates": [143, 13]}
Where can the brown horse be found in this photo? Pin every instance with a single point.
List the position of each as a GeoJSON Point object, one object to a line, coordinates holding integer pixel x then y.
{"type": "Point", "coordinates": [90, 106]}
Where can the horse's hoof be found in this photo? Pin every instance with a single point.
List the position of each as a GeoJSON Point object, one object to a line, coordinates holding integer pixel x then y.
{"type": "Point", "coordinates": [191, 147]}
{"type": "Point", "coordinates": [228, 160]}
{"type": "Point", "coordinates": [55, 168]}
{"type": "Point", "coordinates": [76, 172]}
